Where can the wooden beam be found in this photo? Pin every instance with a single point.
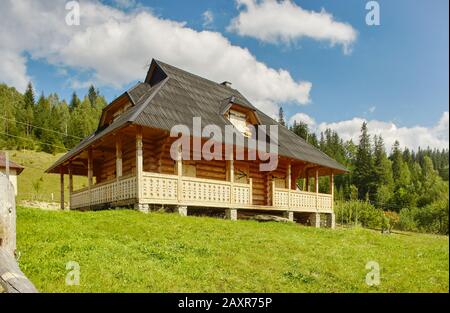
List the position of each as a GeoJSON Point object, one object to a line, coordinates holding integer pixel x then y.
{"type": "Point", "coordinates": [179, 172]}
{"type": "Point", "coordinates": [61, 175]}
{"type": "Point", "coordinates": [307, 180]}
{"type": "Point", "coordinates": [90, 165]}
{"type": "Point", "coordinates": [69, 170]}
{"type": "Point", "coordinates": [332, 190]}
{"type": "Point", "coordinates": [90, 174]}
{"type": "Point", "coordinates": [288, 177]}
{"type": "Point", "coordinates": [139, 163]}
{"type": "Point", "coordinates": [231, 175]}
{"type": "Point", "coordinates": [118, 156]}
{"type": "Point", "coordinates": [316, 181]}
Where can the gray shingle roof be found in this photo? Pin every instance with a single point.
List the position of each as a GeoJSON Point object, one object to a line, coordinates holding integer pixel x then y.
{"type": "Point", "coordinates": [179, 97]}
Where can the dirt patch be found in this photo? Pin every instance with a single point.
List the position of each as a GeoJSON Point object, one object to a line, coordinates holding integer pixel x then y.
{"type": "Point", "coordinates": [51, 206]}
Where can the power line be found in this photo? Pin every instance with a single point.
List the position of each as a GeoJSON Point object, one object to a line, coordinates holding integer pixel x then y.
{"type": "Point", "coordinates": [34, 126]}
{"type": "Point", "coordinates": [33, 140]}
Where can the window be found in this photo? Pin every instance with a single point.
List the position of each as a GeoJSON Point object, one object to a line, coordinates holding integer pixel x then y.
{"type": "Point", "coordinates": [239, 120]}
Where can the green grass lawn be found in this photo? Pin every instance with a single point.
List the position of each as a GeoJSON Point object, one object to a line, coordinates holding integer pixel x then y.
{"type": "Point", "coordinates": [35, 164]}
{"type": "Point", "coordinates": [128, 251]}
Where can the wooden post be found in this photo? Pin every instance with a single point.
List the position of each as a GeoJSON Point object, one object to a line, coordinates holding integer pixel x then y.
{"type": "Point", "coordinates": [90, 174]}
{"type": "Point", "coordinates": [332, 190]}
{"type": "Point", "coordinates": [139, 164]}
{"type": "Point", "coordinates": [180, 173]}
{"type": "Point", "coordinates": [231, 176]}
{"type": "Point", "coordinates": [316, 188]}
{"type": "Point", "coordinates": [69, 170]}
{"type": "Point", "coordinates": [288, 182]}
{"type": "Point", "coordinates": [250, 181]}
{"type": "Point", "coordinates": [12, 279]}
{"type": "Point", "coordinates": [61, 173]}
{"type": "Point", "coordinates": [307, 180]}
{"type": "Point", "coordinates": [273, 192]}
{"type": "Point", "coordinates": [118, 157]}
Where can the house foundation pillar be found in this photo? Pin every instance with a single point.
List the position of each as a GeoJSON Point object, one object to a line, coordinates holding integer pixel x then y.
{"type": "Point", "coordinates": [331, 220]}
{"type": "Point", "coordinates": [289, 215]}
{"type": "Point", "coordinates": [142, 207]}
{"type": "Point", "coordinates": [182, 210]}
{"type": "Point", "coordinates": [315, 219]}
{"type": "Point", "coordinates": [231, 214]}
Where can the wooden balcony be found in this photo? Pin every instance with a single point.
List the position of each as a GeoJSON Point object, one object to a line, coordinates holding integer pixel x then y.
{"type": "Point", "coordinates": [168, 189]}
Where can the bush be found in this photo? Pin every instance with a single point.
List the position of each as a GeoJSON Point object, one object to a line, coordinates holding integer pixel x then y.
{"type": "Point", "coordinates": [432, 218]}
{"type": "Point", "coordinates": [358, 212]}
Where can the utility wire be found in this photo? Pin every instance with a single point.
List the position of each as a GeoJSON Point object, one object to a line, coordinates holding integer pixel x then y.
{"type": "Point", "coordinates": [34, 126]}
{"type": "Point", "coordinates": [34, 140]}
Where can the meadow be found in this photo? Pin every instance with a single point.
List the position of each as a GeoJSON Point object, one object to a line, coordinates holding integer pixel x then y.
{"type": "Point", "coordinates": [129, 251]}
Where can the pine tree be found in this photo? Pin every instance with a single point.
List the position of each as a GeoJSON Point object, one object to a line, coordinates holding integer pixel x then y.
{"type": "Point", "coordinates": [300, 129]}
{"type": "Point", "coordinates": [281, 117]}
{"type": "Point", "coordinates": [92, 95]}
{"type": "Point", "coordinates": [29, 103]}
{"type": "Point", "coordinates": [363, 175]}
{"type": "Point", "coordinates": [74, 102]}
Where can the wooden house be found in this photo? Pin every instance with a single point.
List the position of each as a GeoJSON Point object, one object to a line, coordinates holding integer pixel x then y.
{"type": "Point", "coordinates": [128, 162]}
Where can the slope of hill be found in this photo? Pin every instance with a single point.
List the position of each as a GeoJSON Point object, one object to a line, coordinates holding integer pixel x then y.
{"type": "Point", "coordinates": [128, 251]}
{"type": "Point", "coordinates": [33, 183]}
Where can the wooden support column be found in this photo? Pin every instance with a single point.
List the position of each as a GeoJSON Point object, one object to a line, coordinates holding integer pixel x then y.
{"type": "Point", "coordinates": [139, 164]}
{"type": "Point", "coordinates": [69, 170]}
{"type": "Point", "coordinates": [61, 173]}
{"type": "Point", "coordinates": [288, 183]}
{"type": "Point", "coordinates": [332, 190]}
{"type": "Point", "coordinates": [118, 157]}
{"type": "Point", "coordinates": [231, 177]}
{"type": "Point", "coordinates": [90, 174]}
{"type": "Point", "coordinates": [316, 189]}
{"type": "Point", "coordinates": [307, 180]}
{"type": "Point", "coordinates": [180, 173]}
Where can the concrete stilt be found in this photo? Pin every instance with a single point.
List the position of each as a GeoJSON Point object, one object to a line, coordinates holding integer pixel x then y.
{"type": "Point", "coordinates": [231, 214]}
{"type": "Point", "coordinates": [315, 219]}
{"type": "Point", "coordinates": [182, 210]}
{"type": "Point", "coordinates": [331, 220]}
{"type": "Point", "coordinates": [289, 215]}
{"type": "Point", "coordinates": [142, 207]}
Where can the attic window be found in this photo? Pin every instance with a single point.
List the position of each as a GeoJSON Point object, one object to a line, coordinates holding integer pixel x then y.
{"type": "Point", "coordinates": [239, 120]}
{"type": "Point", "coordinates": [120, 111]}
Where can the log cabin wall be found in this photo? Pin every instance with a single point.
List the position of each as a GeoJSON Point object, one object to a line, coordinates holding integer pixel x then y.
{"type": "Point", "coordinates": [157, 159]}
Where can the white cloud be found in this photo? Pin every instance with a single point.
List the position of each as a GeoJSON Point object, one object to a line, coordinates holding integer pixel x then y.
{"type": "Point", "coordinates": [285, 22]}
{"type": "Point", "coordinates": [411, 137]}
{"type": "Point", "coordinates": [117, 46]}
{"type": "Point", "coordinates": [208, 18]}
{"type": "Point", "coordinates": [13, 70]}
{"type": "Point", "coordinates": [305, 118]}
{"type": "Point", "coordinates": [372, 109]}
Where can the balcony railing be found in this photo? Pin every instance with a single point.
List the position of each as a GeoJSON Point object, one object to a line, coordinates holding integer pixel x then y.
{"type": "Point", "coordinates": [302, 201]}
{"type": "Point", "coordinates": [182, 190]}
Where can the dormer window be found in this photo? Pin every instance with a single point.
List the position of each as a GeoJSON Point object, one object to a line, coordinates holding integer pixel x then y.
{"type": "Point", "coordinates": [240, 121]}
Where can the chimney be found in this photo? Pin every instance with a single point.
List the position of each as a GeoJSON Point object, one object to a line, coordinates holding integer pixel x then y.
{"type": "Point", "coordinates": [226, 84]}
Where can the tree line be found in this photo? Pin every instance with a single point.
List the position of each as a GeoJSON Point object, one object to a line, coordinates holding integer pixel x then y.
{"type": "Point", "coordinates": [47, 123]}
{"type": "Point", "coordinates": [410, 185]}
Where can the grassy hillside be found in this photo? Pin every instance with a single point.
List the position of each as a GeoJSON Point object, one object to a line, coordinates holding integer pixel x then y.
{"type": "Point", "coordinates": [124, 250]}
{"type": "Point", "coordinates": [35, 164]}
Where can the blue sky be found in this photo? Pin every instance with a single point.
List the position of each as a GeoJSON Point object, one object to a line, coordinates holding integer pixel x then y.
{"type": "Point", "coordinates": [396, 73]}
